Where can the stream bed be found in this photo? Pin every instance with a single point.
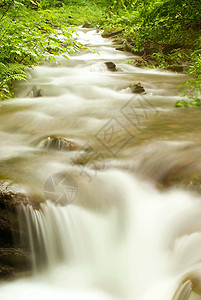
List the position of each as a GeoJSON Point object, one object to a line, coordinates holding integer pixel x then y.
{"type": "Point", "coordinates": [97, 160]}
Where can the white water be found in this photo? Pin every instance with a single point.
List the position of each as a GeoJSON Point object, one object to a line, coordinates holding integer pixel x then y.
{"type": "Point", "coordinates": [120, 238]}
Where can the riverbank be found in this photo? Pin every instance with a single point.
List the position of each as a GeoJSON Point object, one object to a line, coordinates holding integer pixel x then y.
{"type": "Point", "coordinates": [160, 44]}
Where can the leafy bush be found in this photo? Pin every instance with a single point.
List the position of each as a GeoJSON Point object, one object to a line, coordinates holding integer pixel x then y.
{"type": "Point", "coordinates": [29, 32]}
{"type": "Point", "coordinates": [27, 37]}
{"type": "Point", "coordinates": [9, 73]}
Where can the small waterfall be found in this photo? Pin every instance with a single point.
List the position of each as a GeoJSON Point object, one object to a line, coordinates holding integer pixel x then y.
{"type": "Point", "coordinates": [119, 247]}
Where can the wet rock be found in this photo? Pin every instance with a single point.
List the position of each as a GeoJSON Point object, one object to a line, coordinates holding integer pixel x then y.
{"type": "Point", "coordinates": [111, 66]}
{"type": "Point", "coordinates": [118, 41]}
{"type": "Point", "coordinates": [120, 48]}
{"type": "Point", "coordinates": [87, 25]}
{"type": "Point", "coordinates": [139, 53]}
{"type": "Point", "coordinates": [12, 194]}
{"type": "Point", "coordinates": [13, 262]}
{"type": "Point", "coordinates": [130, 48]}
{"type": "Point", "coordinates": [176, 68]}
{"type": "Point", "coordinates": [110, 32]}
{"type": "Point", "coordinates": [35, 93]}
{"type": "Point", "coordinates": [129, 45]}
{"type": "Point", "coordinates": [169, 48]}
{"type": "Point", "coordinates": [13, 258]}
{"type": "Point", "coordinates": [151, 62]}
{"type": "Point", "coordinates": [60, 144]}
{"type": "Point", "coordinates": [137, 88]}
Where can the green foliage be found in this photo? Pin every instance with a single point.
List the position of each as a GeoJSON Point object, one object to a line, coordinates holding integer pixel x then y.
{"type": "Point", "coordinates": [77, 13]}
{"type": "Point", "coordinates": [192, 94]}
{"type": "Point", "coordinates": [34, 30]}
{"type": "Point", "coordinates": [195, 69]}
{"type": "Point", "coordinates": [192, 88]}
{"type": "Point", "coordinates": [188, 103]}
{"type": "Point", "coordinates": [10, 72]}
{"type": "Point", "coordinates": [29, 36]}
{"type": "Point", "coordinates": [167, 24]}
{"type": "Point", "coordinates": [171, 21]}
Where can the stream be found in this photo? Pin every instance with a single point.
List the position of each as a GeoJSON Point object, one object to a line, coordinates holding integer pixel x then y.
{"type": "Point", "coordinates": [94, 159]}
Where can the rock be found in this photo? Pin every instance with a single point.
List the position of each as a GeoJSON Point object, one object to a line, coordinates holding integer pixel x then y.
{"type": "Point", "coordinates": [13, 262]}
{"type": "Point", "coordinates": [130, 40]}
{"type": "Point", "coordinates": [111, 66]}
{"type": "Point", "coordinates": [60, 144]}
{"type": "Point", "coordinates": [169, 48]}
{"type": "Point", "coordinates": [130, 48]}
{"type": "Point", "coordinates": [12, 194]}
{"type": "Point", "coordinates": [118, 42]}
{"type": "Point", "coordinates": [120, 48]}
{"type": "Point", "coordinates": [35, 92]}
{"type": "Point", "coordinates": [87, 25]}
{"type": "Point", "coordinates": [109, 32]}
{"type": "Point", "coordinates": [151, 62]}
{"type": "Point", "coordinates": [5, 271]}
{"type": "Point", "coordinates": [176, 68]}
{"type": "Point", "coordinates": [138, 53]}
{"type": "Point", "coordinates": [151, 50]}
{"type": "Point", "coordinates": [13, 256]}
{"type": "Point", "coordinates": [137, 88]}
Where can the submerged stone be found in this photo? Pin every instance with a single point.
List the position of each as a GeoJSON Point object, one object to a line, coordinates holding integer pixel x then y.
{"type": "Point", "coordinates": [60, 144]}
{"type": "Point", "coordinates": [35, 93]}
{"type": "Point", "coordinates": [137, 88]}
{"type": "Point", "coordinates": [111, 66]}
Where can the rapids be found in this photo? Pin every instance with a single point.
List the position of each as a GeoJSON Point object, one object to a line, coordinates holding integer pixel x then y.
{"type": "Point", "coordinates": [103, 230]}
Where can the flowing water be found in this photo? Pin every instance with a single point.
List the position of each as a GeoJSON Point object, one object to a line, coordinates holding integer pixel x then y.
{"type": "Point", "coordinates": [90, 154]}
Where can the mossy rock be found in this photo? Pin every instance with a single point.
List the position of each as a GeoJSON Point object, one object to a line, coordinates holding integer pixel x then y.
{"type": "Point", "coordinates": [137, 88]}
{"type": "Point", "coordinates": [177, 69]}
{"type": "Point", "coordinates": [109, 32]}
{"type": "Point", "coordinates": [118, 41]}
{"type": "Point", "coordinates": [14, 257]}
{"type": "Point", "coordinates": [88, 24]}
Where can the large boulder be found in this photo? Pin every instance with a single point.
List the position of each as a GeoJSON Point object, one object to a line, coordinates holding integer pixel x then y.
{"type": "Point", "coordinates": [14, 262]}
{"type": "Point", "coordinates": [14, 257]}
